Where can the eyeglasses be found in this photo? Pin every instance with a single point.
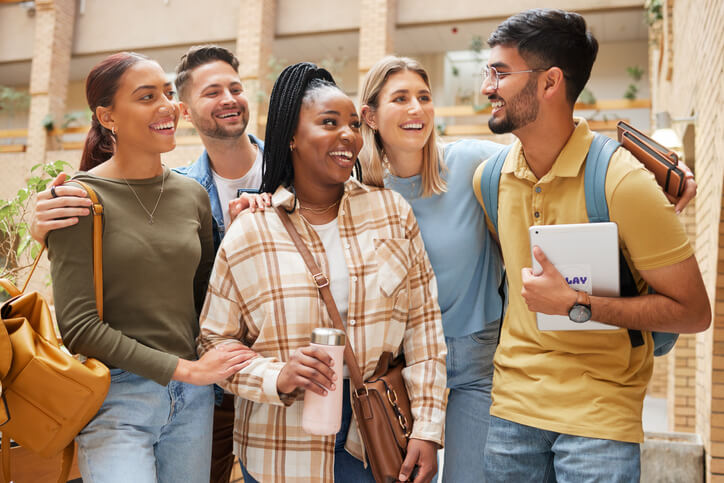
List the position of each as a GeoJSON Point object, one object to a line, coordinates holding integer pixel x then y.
{"type": "Point", "coordinates": [492, 73]}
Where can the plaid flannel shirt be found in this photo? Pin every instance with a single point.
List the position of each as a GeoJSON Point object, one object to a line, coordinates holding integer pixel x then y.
{"type": "Point", "coordinates": [262, 294]}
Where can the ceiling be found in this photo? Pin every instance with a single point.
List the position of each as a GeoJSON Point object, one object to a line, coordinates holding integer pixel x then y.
{"type": "Point", "coordinates": [607, 26]}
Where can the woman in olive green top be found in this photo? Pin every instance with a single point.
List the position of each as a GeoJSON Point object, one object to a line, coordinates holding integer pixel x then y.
{"type": "Point", "coordinates": [155, 424]}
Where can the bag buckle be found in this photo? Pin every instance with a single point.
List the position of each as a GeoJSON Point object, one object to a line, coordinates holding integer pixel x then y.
{"type": "Point", "coordinates": [321, 280]}
{"type": "Point", "coordinates": [360, 392]}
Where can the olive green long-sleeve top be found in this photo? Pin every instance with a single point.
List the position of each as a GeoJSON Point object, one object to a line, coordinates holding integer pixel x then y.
{"type": "Point", "coordinates": [154, 275]}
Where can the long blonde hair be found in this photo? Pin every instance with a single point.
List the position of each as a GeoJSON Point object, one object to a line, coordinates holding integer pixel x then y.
{"type": "Point", "coordinates": [373, 153]}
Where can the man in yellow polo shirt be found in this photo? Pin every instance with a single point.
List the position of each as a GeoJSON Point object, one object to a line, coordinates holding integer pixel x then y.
{"type": "Point", "coordinates": [567, 404]}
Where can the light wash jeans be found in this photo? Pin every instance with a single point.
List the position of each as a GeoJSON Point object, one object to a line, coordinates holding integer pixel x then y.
{"type": "Point", "coordinates": [148, 433]}
{"type": "Point", "coordinates": [520, 453]}
{"type": "Point", "coordinates": [470, 378]}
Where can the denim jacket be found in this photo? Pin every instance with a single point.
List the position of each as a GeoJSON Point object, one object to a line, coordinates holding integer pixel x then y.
{"type": "Point", "coordinates": [200, 170]}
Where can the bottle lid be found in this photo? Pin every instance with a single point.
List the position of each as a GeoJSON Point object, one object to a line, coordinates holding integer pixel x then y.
{"type": "Point", "coordinates": [328, 336]}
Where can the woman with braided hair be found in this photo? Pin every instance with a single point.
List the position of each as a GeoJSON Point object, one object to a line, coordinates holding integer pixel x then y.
{"type": "Point", "coordinates": [367, 242]}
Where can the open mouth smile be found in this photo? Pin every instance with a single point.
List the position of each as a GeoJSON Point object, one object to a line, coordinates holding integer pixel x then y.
{"type": "Point", "coordinates": [228, 115]}
{"type": "Point", "coordinates": [166, 127]}
{"type": "Point", "coordinates": [413, 126]}
{"type": "Point", "coordinates": [343, 158]}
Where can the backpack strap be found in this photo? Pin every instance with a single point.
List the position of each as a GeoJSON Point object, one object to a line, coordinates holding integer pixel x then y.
{"type": "Point", "coordinates": [597, 161]}
{"type": "Point", "coordinates": [490, 182]}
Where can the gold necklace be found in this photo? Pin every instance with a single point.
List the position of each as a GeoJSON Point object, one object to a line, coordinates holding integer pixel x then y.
{"type": "Point", "coordinates": [160, 193]}
{"type": "Point", "coordinates": [318, 210]}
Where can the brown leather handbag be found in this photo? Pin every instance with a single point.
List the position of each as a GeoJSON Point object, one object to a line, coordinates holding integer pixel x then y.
{"type": "Point", "coordinates": [48, 396]}
{"type": "Point", "coordinates": [661, 161]}
{"type": "Point", "coordinates": [380, 404]}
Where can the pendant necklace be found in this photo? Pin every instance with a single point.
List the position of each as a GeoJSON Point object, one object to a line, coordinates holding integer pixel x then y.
{"type": "Point", "coordinates": [138, 198]}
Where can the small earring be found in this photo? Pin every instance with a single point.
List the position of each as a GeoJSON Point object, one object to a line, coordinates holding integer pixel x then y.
{"type": "Point", "coordinates": [113, 130]}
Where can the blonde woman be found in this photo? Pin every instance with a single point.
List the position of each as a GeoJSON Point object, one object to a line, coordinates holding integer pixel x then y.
{"type": "Point", "coordinates": [401, 152]}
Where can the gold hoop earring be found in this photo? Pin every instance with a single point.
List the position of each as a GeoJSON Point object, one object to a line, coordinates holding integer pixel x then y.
{"type": "Point", "coordinates": [113, 130]}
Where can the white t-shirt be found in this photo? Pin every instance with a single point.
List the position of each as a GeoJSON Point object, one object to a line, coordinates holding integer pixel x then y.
{"type": "Point", "coordinates": [228, 188]}
{"type": "Point", "coordinates": [338, 271]}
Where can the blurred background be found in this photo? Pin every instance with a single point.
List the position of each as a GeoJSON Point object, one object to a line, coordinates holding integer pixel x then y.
{"type": "Point", "coordinates": [660, 66]}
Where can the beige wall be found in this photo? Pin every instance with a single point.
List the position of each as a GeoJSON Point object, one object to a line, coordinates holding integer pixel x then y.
{"type": "Point", "coordinates": [103, 25]}
{"type": "Point", "coordinates": [16, 33]}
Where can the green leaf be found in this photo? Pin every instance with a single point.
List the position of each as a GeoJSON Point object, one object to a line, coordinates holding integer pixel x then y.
{"type": "Point", "coordinates": [34, 250]}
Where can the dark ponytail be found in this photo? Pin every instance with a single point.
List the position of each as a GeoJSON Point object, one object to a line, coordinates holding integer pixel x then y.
{"type": "Point", "coordinates": [100, 89]}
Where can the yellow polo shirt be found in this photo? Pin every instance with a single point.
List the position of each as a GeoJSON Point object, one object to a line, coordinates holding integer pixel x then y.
{"type": "Point", "coordinates": [583, 383]}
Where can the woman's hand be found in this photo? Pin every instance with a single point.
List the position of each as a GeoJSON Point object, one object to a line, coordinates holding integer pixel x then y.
{"type": "Point", "coordinates": [253, 201]}
{"type": "Point", "coordinates": [422, 454]}
{"type": "Point", "coordinates": [216, 365]}
{"type": "Point", "coordinates": [309, 368]}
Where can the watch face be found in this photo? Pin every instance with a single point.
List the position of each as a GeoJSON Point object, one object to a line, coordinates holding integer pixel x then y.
{"type": "Point", "coordinates": [579, 313]}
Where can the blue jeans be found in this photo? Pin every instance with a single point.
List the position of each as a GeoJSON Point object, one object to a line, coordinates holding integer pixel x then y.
{"type": "Point", "coordinates": [145, 432]}
{"type": "Point", "coordinates": [520, 453]}
{"type": "Point", "coordinates": [347, 468]}
{"type": "Point", "coordinates": [470, 378]}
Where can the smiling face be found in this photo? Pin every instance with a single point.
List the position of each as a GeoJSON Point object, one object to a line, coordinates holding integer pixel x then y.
{"type": "Point", "coordinates": [326, 141]}
{"type": "Point", "coordinates": [515, 103]}
{"type": "Point", "coordinates": [405, 113]}
{"type": "Point", "coordinates": [216, 103]}
{"type": "Point", "coordinates": [143, 112]}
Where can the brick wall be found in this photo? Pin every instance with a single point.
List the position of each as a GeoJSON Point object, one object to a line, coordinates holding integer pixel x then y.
{"type": "Point", "coordinates": [686, 69]}
{"type": "Point", "coordinates": [376, 33]}
{"type": "Point", "coordinates": [54, 20]}
{"type": "Point", "coordinates": [257, 24]}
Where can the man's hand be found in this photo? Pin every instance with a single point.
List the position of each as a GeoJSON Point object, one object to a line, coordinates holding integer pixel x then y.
{"type": "Point", "coordinates": [547, 292]}
{"type": "Point", "coordinates": [422, 454]}
{"type": "Point", "coordinates": [59, 211]}
{"type": "Point", "coordinates": [689, 192]}
{"type": "Point", "coordinates": [252, 201]}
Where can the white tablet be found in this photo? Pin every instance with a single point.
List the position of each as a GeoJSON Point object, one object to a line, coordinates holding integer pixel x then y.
{"type": "Point", "coordinates": [587, 256]}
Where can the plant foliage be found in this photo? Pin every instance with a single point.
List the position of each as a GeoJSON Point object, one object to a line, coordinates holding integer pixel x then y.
{"type": "Point", "coordinates": [17, 248]}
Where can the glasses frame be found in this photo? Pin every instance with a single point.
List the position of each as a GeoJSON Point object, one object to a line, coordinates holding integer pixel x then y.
{"type": "Point", "coordinates": [488, 69]}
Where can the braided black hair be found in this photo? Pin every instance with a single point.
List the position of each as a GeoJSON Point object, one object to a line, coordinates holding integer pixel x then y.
{"type": "Point", "coordinates": [294, 85]}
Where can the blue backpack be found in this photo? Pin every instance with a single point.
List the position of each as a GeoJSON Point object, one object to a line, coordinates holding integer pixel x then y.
{"type": "Point", "coordinates": [599, 156]}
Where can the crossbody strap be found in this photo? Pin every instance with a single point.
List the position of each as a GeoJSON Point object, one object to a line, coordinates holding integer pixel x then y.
{"type": "Point", "coordinates": [322, 283]}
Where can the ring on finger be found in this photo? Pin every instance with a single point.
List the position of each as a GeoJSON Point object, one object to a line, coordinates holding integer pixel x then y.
{"type": "Point", "coordinates": [52, 192]}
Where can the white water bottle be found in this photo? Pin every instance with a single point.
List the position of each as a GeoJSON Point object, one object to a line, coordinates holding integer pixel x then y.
{"type": "Point", "coordinates": [322, 415]}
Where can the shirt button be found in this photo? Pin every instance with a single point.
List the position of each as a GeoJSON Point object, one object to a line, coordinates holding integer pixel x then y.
{"type": "Point", "coordinates": [538, 189]}
{"type": "Point", "coordinates": [346, 245]}
{"type": "Point", "coordinates": [352, 322]}
{"type": "Point", "coordinates": [354, 278]}
{"type": "Point", "coordinates": [536, 214]}
{"type": "Point", "coordinates": [341, 212]}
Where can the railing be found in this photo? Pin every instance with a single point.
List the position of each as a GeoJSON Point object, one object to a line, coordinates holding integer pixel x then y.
{"type": "Point", "coordinates": [462, 120]}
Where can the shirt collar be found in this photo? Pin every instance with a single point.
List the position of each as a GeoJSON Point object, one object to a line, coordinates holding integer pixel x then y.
{"type": "Point", "coordinates": [285, 198]}
{"type": "Point", "coordinates": [569, 160]}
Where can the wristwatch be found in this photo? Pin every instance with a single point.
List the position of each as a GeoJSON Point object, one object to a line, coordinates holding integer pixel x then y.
{"type": "Point", "coordinates": [581, 310]}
